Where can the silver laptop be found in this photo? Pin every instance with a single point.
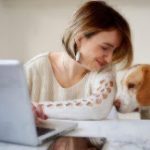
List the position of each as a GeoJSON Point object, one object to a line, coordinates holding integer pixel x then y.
{"type": "Point", "coordinates": [17, 123]}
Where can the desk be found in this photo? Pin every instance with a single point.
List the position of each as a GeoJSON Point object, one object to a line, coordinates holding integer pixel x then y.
{"type": "Point", "coordinates": [121, 134]}
{"type": "Point", "coordinates": [8, 146]}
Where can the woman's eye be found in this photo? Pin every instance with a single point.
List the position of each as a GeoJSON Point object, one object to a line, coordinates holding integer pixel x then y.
{"type": "Point", "coordinates": [105, 48]}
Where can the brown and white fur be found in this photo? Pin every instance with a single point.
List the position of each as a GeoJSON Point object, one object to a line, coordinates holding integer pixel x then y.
{"type": "Point", "coordinates": [134, 89]}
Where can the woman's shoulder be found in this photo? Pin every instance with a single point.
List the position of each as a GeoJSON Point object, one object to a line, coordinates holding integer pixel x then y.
{"type": "Point", "coordinates": [38, 59]}
{"type": "Point", "coordinates": [41, 58]}
{"type": "Point", "coordinates": [40, 62]}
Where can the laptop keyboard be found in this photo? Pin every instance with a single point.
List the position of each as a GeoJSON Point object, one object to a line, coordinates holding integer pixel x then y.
{"type": "Point", "coordinates": [42, 131]}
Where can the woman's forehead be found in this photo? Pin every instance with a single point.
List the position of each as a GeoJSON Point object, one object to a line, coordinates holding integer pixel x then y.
{"type": "Point", "coordinates": [110, 38]}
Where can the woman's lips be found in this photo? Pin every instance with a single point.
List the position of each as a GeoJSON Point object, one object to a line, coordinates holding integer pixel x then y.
{"type": "Point", "coordinates": [100, 63]}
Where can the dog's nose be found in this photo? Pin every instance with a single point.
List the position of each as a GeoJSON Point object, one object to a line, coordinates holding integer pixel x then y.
{"type": "Point", "coordinates": [117, 104]}
{"type": "Point", "coordinates": [136, 109]}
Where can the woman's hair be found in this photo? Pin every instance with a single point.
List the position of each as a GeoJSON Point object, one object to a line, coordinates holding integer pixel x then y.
{"type": "Point", "coordinates": [94, 17]}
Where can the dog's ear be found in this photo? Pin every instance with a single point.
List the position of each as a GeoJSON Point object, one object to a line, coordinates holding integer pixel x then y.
{"type": "Point", "coordinates": [143, 94]}
{"type": "Point", "coordinates": [134, 78]}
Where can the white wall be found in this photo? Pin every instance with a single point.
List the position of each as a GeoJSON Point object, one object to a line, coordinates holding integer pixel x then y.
{"type": "Point", "coordinates": [29, 27]}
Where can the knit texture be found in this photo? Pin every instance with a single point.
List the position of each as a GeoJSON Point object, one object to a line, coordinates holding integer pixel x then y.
{"type": "Point", "coordinates": [89, 99]}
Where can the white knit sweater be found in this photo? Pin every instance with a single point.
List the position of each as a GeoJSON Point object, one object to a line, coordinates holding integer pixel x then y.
{"type": "Point", "coordinates": [90, 99]}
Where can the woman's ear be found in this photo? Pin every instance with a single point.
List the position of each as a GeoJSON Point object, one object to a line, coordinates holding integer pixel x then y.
{"type": "Point", "coordinates": [143, 95]}
{"type": "Point", "coordinates": [78, 40]}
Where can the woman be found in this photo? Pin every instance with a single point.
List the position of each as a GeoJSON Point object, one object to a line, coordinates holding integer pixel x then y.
{"type": "Point", "coordinates": [79, 83]}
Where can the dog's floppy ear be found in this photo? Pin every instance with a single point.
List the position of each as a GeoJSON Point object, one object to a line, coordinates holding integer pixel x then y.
{"type": "Point", "coordinates": [134, 78]}
{"type": "Point", "coordinates": [143, 94]}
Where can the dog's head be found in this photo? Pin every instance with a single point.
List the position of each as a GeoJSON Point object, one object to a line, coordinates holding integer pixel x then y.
{"type": "Point", "coordinates": [134, 90]}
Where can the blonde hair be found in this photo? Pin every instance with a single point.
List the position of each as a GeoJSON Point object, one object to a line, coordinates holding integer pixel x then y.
{"type": "Point", "coordinates": [94, 17]}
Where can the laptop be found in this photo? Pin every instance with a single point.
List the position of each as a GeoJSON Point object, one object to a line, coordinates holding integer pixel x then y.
{"type": "Point", "coordinates": [17, 122]}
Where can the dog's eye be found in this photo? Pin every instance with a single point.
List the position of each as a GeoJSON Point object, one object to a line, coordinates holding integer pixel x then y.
{"type": "Point", "coordinates": [131, 86]}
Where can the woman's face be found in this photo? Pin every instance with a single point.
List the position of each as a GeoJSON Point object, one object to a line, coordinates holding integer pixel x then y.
{"type": "Point", "coordinates": [97, 51]}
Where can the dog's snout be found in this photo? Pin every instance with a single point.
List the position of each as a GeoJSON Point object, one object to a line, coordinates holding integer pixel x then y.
{"type": "Point", "coordinates": [136, 109]}
{"type": "Point", "coordinates": [117, 104]}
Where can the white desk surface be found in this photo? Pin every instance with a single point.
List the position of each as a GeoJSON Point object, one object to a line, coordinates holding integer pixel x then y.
{"type": "Point", "coordinates": [131, 132]}
{"type": "Point", "coordinates": [9, 146]}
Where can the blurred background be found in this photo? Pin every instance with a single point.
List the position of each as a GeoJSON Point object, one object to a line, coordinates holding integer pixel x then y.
{"type": "Point", "coordinates": [30, 27]}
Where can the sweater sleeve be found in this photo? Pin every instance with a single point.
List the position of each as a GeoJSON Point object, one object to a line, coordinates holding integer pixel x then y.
{"type": "Point", "coordinates": [33, 81]}
{"type": "Point", "coordinates": [95, 107]}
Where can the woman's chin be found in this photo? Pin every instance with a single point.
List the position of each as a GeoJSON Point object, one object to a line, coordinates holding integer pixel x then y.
{"type": "Point", "coordinates": [98, 68]}
{"type": "Point", "coordinates": [95, 68]}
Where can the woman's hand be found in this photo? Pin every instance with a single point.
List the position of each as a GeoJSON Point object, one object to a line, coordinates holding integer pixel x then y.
{"type": "Point", "coordinates": [38, 113]}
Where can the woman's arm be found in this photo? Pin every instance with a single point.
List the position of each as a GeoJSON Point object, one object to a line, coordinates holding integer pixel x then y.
{"type": "Point", "coordinates": [96, 106]}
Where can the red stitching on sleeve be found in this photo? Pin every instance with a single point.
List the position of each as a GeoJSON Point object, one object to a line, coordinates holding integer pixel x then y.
{"type": "Point", "coordinates": [79, 104]}
{"type": "Point", "coordinates": [106, 84]}
{"type": "Point", "coordinates": [69, 104]}
{"type": "Point", "coordinates": [58, 105]}
{"type": "Point", "coordinates": [49, 105]}
{"type": "Point", "coordinates": [98, 101]}
{"type": "Point", "coordinates": [104, 95]}
{"type": "Point", "coordinates": [111, 83]}
{"type": "Point", "coordinates": [84, 100]}
{"type": "Point", "coordinates": [102, 90]}
{"type": "Point", "coordinates": [102, 81]}
{"type": "Point", "coordinates": [89, 104]}
{"type": "Point", "coordinates": [108, 90]}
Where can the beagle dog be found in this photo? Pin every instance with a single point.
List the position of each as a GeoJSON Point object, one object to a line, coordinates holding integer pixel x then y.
{"type": "Point", "coordinates": [134, 89]}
